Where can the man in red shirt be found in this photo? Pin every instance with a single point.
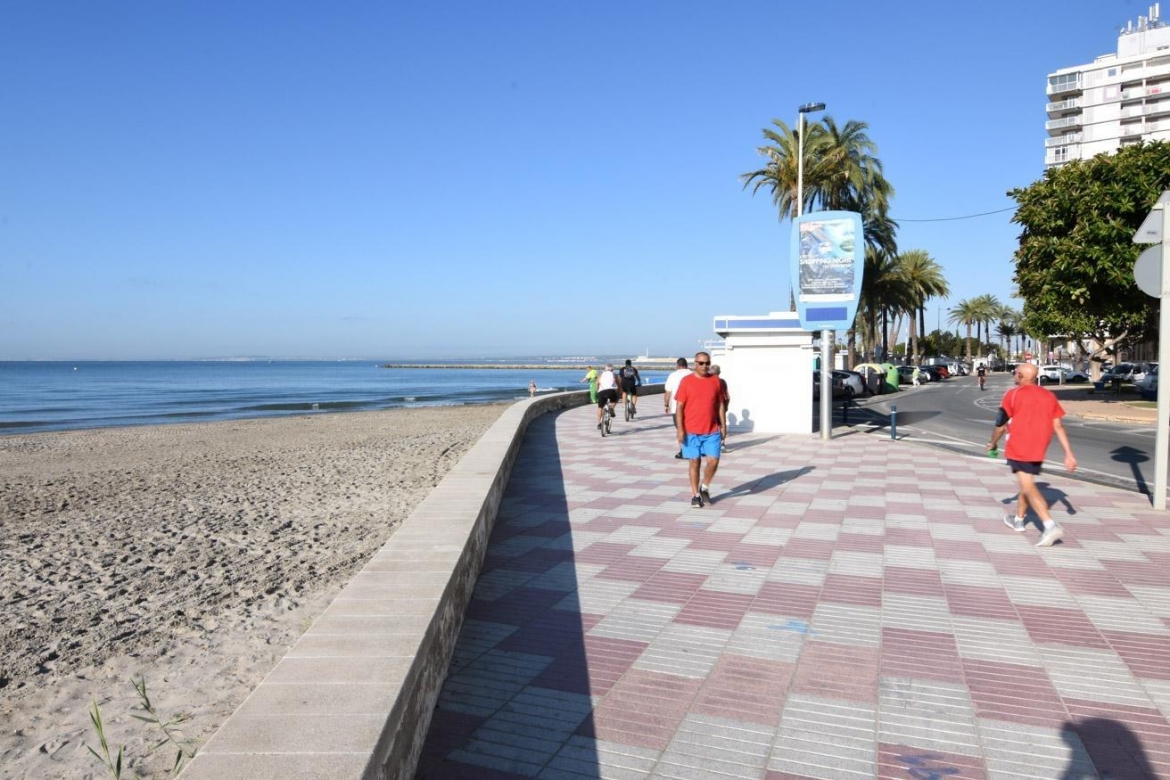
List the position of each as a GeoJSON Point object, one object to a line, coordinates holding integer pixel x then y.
{"type": "Point", "coordinates": [1034, 415]}
{"type": "Point", "coordinates": [701, 423]}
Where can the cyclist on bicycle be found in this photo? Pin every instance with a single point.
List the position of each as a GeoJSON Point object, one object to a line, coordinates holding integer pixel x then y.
{"type": "Point", "coordinates": [630, 381]}
{"type": "Point", "coordinates": [607, 391]}
{"type": "Point", "coordinates": [981, 372]}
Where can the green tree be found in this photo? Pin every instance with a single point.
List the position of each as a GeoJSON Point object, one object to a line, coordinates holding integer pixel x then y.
{"type": "Point", "coordinates": [1074, 264]}
{"type": "Point", "coordinates": [924, 280]}
{"type": "Point", "coordinates": [965, 313]}
{"type": "Point", "coordinates": [841, 172]}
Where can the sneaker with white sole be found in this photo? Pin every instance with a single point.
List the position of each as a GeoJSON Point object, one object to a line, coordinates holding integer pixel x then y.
{"type": "Point", "coordinates": [1014, 523]}
{"type": "Point", "coordinates": [1051, 536]}
{"type": "Point", "coordinates": [697, 502]}
{"type": "Point", "coordinates": [705, 495]}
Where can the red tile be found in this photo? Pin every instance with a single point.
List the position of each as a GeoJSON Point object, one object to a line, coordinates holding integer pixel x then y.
{"type": "Point", "coordinates": [715, 541]}
{"type": "Point", "coordinates": [1060, 626]}
{"type": "Point", "coordinates": [818, 549]}
{"type": "Point", "coordinates": [980, 602]}
{"type": "Point", "coordinates": [644, 708]}
{"type": "Point", "coordinates": [924, 582]}
{"type": "Point", "coordinates": [1090, 582]}
{"type": "Point", "coordinates": [637, 568]}
{"type": "Point", "coordinates": [925, 655]}
{"type": "Point", "coordinates": [715, 609]}
{"type": "Point", "coordinates": [909, 537]}
{"type": "Point", "coordinates": [955, 550]}
{"type": "Point", "coordinates": [787, 598]}
{"type": "Point", "coordinates": [837, 672]}
{"type": "Point", "coordinates": [861, 543]}
{"type": "Point", "coordinates": [1023, 564]}
{"type": "Point", "coordinates": [744, 688]}
{"type": "Point", "coordinates": [1137, 573]}
{"type": "Point", "coordinates": [603, 552]}
{"type": "Point", "coordinates": [1123, 741]}
{"type": "Point", "coordinates": [1014, 693]}
{"type": "Point", "coordinates": [847, 589]}
{"type": "Point", "coordinates": [673, 586]}
{"type": "Point", "coordinates": [1146, 655]}
{"type": "Point", "coordinates": [590, 666]}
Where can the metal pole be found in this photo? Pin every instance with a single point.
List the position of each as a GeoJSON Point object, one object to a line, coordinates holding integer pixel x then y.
{"type": "Point", "coordinates": [1162, 437]}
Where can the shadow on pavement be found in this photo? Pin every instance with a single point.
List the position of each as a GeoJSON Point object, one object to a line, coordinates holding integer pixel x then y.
{"type": "Point", "coordinates": [1134, 457]}
{"type": "Point", "coordinates": [1104, 748]}
{"type": "Point", "coordinates": [764, 483]}
{"type": "Point", "coordinates": [516, 700]}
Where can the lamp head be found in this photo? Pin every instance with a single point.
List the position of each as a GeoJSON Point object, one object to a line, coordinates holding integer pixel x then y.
{"type": "Point", "coordinates": [807, 107]}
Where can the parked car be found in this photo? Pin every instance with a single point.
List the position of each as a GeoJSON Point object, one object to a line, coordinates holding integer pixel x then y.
{"type": "Point", "coordinates": [1148, 386]}
{"type": "Point", "coordinates": [1055, 373]}
{"type": "Point", "coordinates": [838, 385]}
{"type": "Point", "coordinates": [1140, 371]}
{"type": "Point", "coordinates": [852, 381]}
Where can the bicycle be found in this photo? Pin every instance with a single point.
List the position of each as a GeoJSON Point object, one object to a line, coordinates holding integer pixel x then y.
{"type": "Point", "coordinates": [606, 419]}
{"type": "Point", "coordinates": [629, 408]}
{"type": "Point", "coordinates": [982, 379]}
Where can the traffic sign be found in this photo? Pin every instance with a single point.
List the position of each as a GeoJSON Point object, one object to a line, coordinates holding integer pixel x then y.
{"type": "Point", "coordinates": [1147, 271]}
{"type": "Point", "coordinates": [1150, 231]}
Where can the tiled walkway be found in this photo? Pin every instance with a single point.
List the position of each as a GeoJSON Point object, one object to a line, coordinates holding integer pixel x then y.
{"type": "Point", "coordinates": [846, 609]}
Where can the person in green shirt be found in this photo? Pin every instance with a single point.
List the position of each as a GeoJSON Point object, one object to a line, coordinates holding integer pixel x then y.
{"type": "Point", "coordinates": [591, 378]}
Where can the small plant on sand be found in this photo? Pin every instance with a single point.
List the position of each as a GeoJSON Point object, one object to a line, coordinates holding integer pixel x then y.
{"type": "Point", "coordinates": [113, 765]}
{"type": "Point", "coordinates": [172, 734]}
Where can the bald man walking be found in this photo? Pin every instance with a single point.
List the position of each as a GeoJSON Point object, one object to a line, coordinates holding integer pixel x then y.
{"type": "Point", "coordinates": [1030, 415]}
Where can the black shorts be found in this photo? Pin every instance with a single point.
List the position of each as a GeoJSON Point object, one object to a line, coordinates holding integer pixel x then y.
{"type": "Point", "coordinates": [1026, 466]}
{"type": "Point", "coordinates": [629, 387]}
{"type": "Point", "coordinates": [606, 397]}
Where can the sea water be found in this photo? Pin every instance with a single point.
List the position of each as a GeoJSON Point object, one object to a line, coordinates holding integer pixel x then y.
{"type": "Point", "coordinates": [48, 396]}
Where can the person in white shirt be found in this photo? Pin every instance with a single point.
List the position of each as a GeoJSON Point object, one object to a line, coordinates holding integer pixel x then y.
{"type": "Point", "coordinates": [607, 391]}
{"type": "Point", "coordinates": [669, 404]}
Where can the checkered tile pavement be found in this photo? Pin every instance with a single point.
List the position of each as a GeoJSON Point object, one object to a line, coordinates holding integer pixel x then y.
{"type": "Point", "coordinates": [845, 609]}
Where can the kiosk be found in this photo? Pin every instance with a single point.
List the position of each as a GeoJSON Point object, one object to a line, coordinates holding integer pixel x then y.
{"type": "Point", "coordinates": [768, 364]}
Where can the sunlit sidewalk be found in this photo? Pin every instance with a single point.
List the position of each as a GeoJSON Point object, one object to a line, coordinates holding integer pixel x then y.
{"type": "Point", "coordinates": [850, 608]}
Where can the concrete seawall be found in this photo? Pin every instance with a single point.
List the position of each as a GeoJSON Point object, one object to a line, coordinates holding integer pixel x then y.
{"type": "Point", "coordinates": [353, 697]}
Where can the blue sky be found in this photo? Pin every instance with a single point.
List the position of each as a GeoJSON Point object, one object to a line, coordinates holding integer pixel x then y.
{"type": "Point", "coordinates": [430, 179]}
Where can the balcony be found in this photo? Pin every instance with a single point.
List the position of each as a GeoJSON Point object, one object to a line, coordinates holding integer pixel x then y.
{"type": "Point", "coordinates": [1063, 105]}
{"type": "Point", "coordinates": [1128, 131]}
{"type": "Point", "coordinates": [1062, 140]}
{"type": "Point", "coordinates": [1064, 84]}
{"type": "Point", "coordinates": [1062, 155]}
{"type": "Point", "coordinates": [1068, 121]}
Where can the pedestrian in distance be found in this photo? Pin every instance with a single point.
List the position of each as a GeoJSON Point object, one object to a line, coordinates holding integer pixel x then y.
{"type": "Point", "coordinates": [1030, 414]}
{"type": "Point", "coordinates": [717, 371]}
{"type": "Point", "coordinates": [668, 402]}
{"type": "Point", "coordinates": [532, 387]}
{"type": "Point", "coordinates": [701, 425]}
{"type": "Point", "coordinates": [591, 378]}
{"type": "Point", "coordinates": [917, 376]}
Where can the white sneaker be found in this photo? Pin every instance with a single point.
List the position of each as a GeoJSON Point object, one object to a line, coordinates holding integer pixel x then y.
{"type": "Point", "coordinates": [1051, 536]}
{"type": "Point", "coordinates": [1014, 523]}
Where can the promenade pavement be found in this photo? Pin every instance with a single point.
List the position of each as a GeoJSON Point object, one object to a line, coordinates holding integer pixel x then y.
{"type": "Point", "coordinates": [850, 608]}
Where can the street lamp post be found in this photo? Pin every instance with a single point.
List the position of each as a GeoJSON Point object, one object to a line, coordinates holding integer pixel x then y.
{"type": "Point", "coordinates": [826, 335]}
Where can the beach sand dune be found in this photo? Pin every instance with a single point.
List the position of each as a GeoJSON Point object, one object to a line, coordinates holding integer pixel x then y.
{"type": "Point", "coordinates": [191, 555]}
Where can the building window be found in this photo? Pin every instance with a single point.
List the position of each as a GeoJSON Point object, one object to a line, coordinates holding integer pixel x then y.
{"type": "Point", "coordinates": [1060, 154]}
{"type": "Point", "coordinates": [1113, 71]}
{"type": "Point", "coordinates": [1065, 81]}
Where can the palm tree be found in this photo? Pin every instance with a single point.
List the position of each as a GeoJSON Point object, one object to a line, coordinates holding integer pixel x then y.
{"type": "Point", "coordinates": [924, 280]}
{"type": "Point", "coordinates": [1008, 322]}
{"type": "Point", "coordinates": [965, 313]}
{"type": "Point", "coordinates": [883, 291]}
{"type": "Point", "coordinates": [841, 172]}
{"type": "Point", "coordinates": [987, 309]}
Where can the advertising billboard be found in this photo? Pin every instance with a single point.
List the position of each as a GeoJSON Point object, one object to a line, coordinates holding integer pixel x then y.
{"type": "Point", "coordinates": [828, 256]}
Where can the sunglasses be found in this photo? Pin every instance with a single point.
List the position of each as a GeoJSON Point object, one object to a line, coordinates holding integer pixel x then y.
{"type": "Point", "coordinates": [702, 362]}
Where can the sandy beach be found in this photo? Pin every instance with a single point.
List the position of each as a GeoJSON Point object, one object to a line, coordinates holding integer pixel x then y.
{"type": "Point", "coordinates": [190, 555]}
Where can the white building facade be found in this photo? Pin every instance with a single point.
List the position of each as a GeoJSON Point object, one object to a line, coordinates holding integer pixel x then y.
{"type": "Point", "coordinates": [1117, 100]}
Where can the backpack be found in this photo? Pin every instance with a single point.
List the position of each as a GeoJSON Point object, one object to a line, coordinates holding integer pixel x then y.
{"type": "Point", "coordinates": [629, 372]}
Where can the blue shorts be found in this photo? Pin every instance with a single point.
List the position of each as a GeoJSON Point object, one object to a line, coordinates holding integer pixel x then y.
{"type": "Point", "coordinates": [696, 445]}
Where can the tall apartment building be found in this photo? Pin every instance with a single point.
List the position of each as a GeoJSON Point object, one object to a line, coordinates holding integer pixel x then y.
{"type": "Point", "coordinates": [1116, 100]}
